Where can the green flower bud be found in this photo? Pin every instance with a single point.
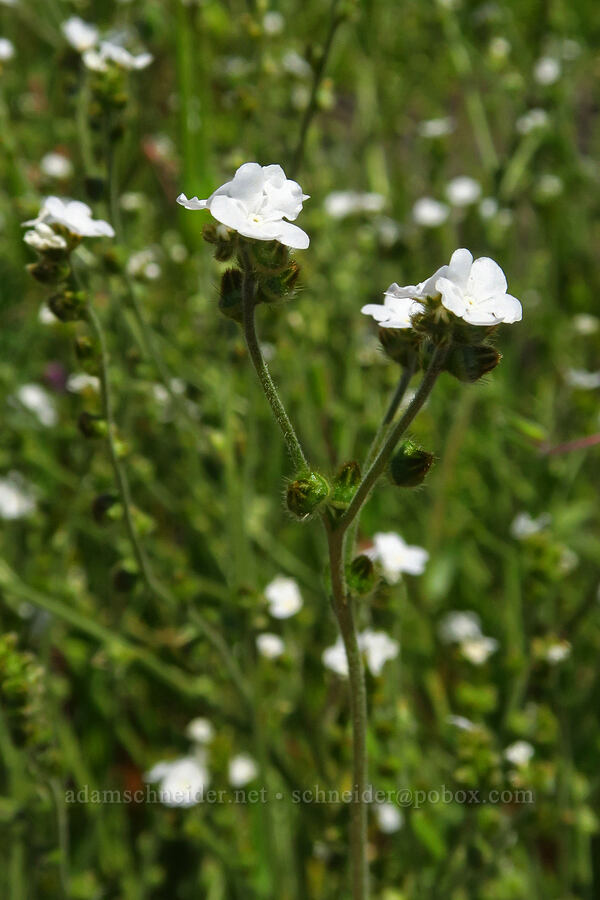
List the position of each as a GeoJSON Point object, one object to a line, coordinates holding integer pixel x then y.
{"type": "Point", "coordinates": [91, 426]}
{"type": "Point", "coordinates": [306, 494]}
{"type": "Point", "coordinates": [410, 464]}
{"type": "Point", "coordinates": [223, 239]}
{"type": "Point", "coordinates": [230, 299]}
{"type": "Point", "coordinates": [68, 306]}
{"type": "Point", "coordinates": [276, 287]}
{"type": "Point", "coordinates": [269, 257]}
{"type": "Point", "coordinates": [345, 484]}
{"type": "Point", "coordinates": [469, 363]}
{"type": "Point", "coordinates": [49, 271]}
{"type": "Point", "coordinates": [361, 575]}
{"type": "Point", "coordinates": [400, 344]}
{"type": "Point", "coordinates": [86, 352]}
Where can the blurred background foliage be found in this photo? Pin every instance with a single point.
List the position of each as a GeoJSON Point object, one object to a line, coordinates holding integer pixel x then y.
{"type": "Point", "coordinates": [99, 678]}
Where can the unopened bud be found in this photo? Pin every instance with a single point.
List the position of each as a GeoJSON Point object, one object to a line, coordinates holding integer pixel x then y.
{"type": "Point", "coordinates": [470, 362]}
{"type": "Point", "coordinates": [86, 352]}
{"type": "Point", "coordinates": [306, 494]}
{"type": "Point", "coordinates": [345, 484]}
{"type": "Point", "coordinates": [230, 298]}
{"type": "Point", "coordinates": [49, 271]}
{"type": "Point", "coordinates": [400, 344]}
{"type": "Point", "coordinates": [361, 575]}
{"type": "Point", "coordinates": [410, 464]}
{"type": "Point", "coordinates": [275, 287]}
{"type": "Point", "coordinates": [223, 240]}
{"type": "Point", "coordinates": [270, 257]}
{"type": "Point", "coordinates": [91, 426]}
{"type": "Point", "coordinates": [68, 306]}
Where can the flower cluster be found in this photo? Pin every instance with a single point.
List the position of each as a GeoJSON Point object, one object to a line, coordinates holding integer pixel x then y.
{"type": "Point", "coordinates": [99, 54]}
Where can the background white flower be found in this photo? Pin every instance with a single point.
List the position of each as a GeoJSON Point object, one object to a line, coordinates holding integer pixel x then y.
{"type": "Point", "coordinates": [7, 50]}
{"type": "Point", "coordinates": [476, 291]}
{"type": "Point", "coordinates": [39, 402]}
{"type": "Point", "coordinates": [531, 120]}
{"type": "Point", "coordinates": [479, 649]}
{"type": "Point", "coordinates": [81, 381]}
{"type": "Point", "coordinates": [459, 626]}
{"type": "Point", "coordinates": [396, 556]}
{"type": "Point", "coordinates": [334, 658]}
{"type": "Point", "coordinates": [242, 770]}
{"type": "Point", "coordinates": [547, 70]}
{"type": "Point", "coordinates": [16, 499]}
{"type": "Point", "coordinates": [256, 203]}
{"type": "Point", "coordinates": [435, 128]}
{"type": "Point", "coordinates": [519, 753]}
{"type": "Point", "coordinates": [340, 204]}
{"type": "Point", "coordinates": [378, 647]}
{"type": "Point", "coordinates": [270, 645]}
{"type": "Point", "coordinates": [42, 237]}
{"type": "Point", "coordinates": [200, 730]}
{"type": "Point", "coordinates": [284, 597]}
{"type": "Point", "coordinates": [56, 165]}
{"type": "Point", "coordinates": [74, 215]}
{"type": "Point", "coordinates": [524, 526]}
{"type": "Point", "coordinates": [461, 722]}
{"type": "Point", "coordinates": [389, 818]}
{"type": "Point", "coordinates": [557, 653]}
{"type": "Point", "coordinates": [80, 35]}
{"type": "Point", "coordinates": [463, 191]}
{"type": "Point", "coordinates": [181, 782]}
{"type": "Point", "coordinates": [429, 212]}
{"type": "Point", "coordinates": [111, 52]}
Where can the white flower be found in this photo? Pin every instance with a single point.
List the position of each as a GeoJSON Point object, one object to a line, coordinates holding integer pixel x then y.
{"type": "Point", "coordinates": [242, 770]}
{"type": "Point", "coordinates": [456, 627]}
{"type": "Point", "coordinates": [499, 47]}
{"type": "Point", "coordinates": [284, 597]}
{"type": "Point", "coordinates": [396, 556]}
{"type": "Point", "coordinates": [395, 311]}
{"type": "Point", "coordinates": [74, 215]}
{"type": "Point", "coordinates": [181, 782]}
{"type": "Point", "coordinates": [296, 65]}
{"type": "Point", "coordinates": [256, 203]}
{"type": "Point", "coordinates": [46, 316]}
{"type": "Point", "coordinates": [80, 35]}
{"type": "Point", "coordinates": [7, 49]}
{"type": "Point", "coordinates": [273, 22]}
{"type": "Point", "coordinates": [200, 731]}
{"type": "Point", "coordinates": [434, 128]}
{"type": "Point", "coordinates": [429, 212]}
{"type": "Point", "coordinates": [476, 291]}
{"type": "Point", "coordinates": [461, 722]}
{"type": "Point", "coordinates": [478, 650]}
{"type": "Point", "coordinates": [389, 818]}
{"type": "Point", "coordinates": [547, 70]}
{"type": "Point", "coordinates": [42, 237]}
{"type": "Point", "coordinates": [579, 378]}
{"type": "Point", "coordinates": [270, 645]}
{"type": "Point", "coordinates": [109, 53]}
{"type": "Point", "coordinates": [334, 658]}
{"type": "Point", "coordinates": [340, 204]}
{"type": "Point", "coordinates": [463, 191]}
{"type": "Point", "coordinates": [550, 186]}
{"type": "Point", "coordinates": [488, 207]}
{"type": "Point", "coordinates": [39, 402]}
{"type": "Point", "coordinates": [378, 647]}
{"type": "Point", "coordinates": [80, 381]}
{"type": "Point", "coordinates": [143, 264]}
{"type": "Point", "coordinates": [524, 526]}
{"type": "Point", "coordinates": [56, 165]}
{"type": "Point", "coordinates": [16, 499]}
{"type": "Point", "coordinates": [586, 324]}
{"type": "Point", "coordinates": [557, 653]}
{"type": "Point", "coordinates": [529, 121]}
{"type": "Point", "coordinates": [519, 753]}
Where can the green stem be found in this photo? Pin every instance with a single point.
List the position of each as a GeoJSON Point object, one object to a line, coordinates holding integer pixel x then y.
{"type": "Point", "coordinates": [343, 608]}
{"type": "Point", "coordinates": [270, 391]}
{"type": "Point", "coordinates": [62, 825]}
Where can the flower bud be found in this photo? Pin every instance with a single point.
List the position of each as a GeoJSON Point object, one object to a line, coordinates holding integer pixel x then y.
{"type": "Point", "coordinates": [223, 240]}
{"type": "Point", "coordinates": [230, 298]}
{"type": "Point", "coordinates": [470, 362]}
{"type": "Point", "coordinates": [269, 257]}
{"type": "Point", "coordinates": [400, 344]}
{"type": "Point", "coordinates": [306, 494]}
{"type": "Point", "coordinates": [68, 306]}
{"type": "Point", "coordinates": [49, 271]}
{"type": "Point", "coordinates": [275, 287]}
{"type": "Point", "coordinates": [91, 426]}
{"type": "Point", "coordinates": [361, 575]}
{"type": "Point", "coordinates": [410, 464]}
{"type": "Point", "coordinates": [345, 484]}
{"type": "Point", "coordinates": [86, 352]}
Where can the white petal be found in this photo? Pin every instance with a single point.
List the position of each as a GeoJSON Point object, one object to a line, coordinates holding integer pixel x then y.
{"type": "Point", "coordinates": [460, 266]}
{"type": "Point", "coordinates": [230, 212]}
{"type": "Point", "coordinates": [452, 296]}
{"type": "Point", "coordinates": [292, 236]}
{"type": "Point", "coordinates": [486, 279]}
{"type": "Point", "coordinates": [192, 203]}
{"type": "Point", "coordinates": [247, 182]}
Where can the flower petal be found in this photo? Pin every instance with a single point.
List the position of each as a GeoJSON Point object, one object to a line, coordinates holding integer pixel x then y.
{"type": "Point", "coordinates": [192, 203]}
{"type": "Point", "coordinates": [460, 267]}
{"type": "Point", "coordinates": [486, 279]}
{"type": "Point", "coordinates": [230, 212]}
{"type": "Point", "coordinates": [292, 236]}
{"type": "Point", "coordinates": [452, 296]}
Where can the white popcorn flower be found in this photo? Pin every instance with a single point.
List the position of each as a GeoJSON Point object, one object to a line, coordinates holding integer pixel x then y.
{"type": "Point", "coordinates": [143, 264]}
{"type": "Point", "coordinates": [46, 316]}
{"type": "Point", "coordinates": [463, 191]}
{"type": "Point", "coordinates": [456, 627]}
{"type": "Point", "coordinates": [488, 208]}
{"type": "Point", "coordinates": [110, 53]}
{"type": "Point", "coordinates": [476, 291]}
{"type": "Point", "coordinates": [585, 324]}
{"type": "Point", "coordinates": [39, 402]}
{"type": "Point", "coordinates": [340, 204]}
{"type": "Point", "coordinates": [531, 120]}
{"type": "Point", "coordinates": [200, 730]}
{"type": "Point", "coordinates": [242, 770]}
{"type": "Point", "coordinates": [74, 215]}
{"type": "Point", "coordinates": [7, 49]}
{"type": "Point", "coordinates": [8, 2]}
{"type": "Point", "coordinates": [519, 753]}
{"type": "Point", "coordinates": [16, 498]}
{"type": "Point", "coordinates": [378, 647]}
{"type": "Point", "coordinates": [584, 381]}
{"type": "Point", "coordinates": [389, 818]}
{"type": "Point", "coordinates": [42, 237]}
{"type": "Point", "coordinates": [396, 556]}
{"type": "Point", "coordinates": [499, 47]}
{"type": "Point", "coordinates": [284, 597]}
{"type": "Point", "coordinates": [334, 658]}
{"type": "Point", "coordinates": [80, 35]}
{"type": "Point", "coordinates": [547, 70]}
{"type": "Point", "coordinates": [430, 213]}
{"type": "Point", "coordinates": [461, 722]}
{"type": "Point", "coordinates": [524, 525]}
{"type": "Point", "coordinates": [401, 303]}
{"type": "Point", "coordinates": [434, 128]}
{"type": "Point", "coordinates": [273, 22]}
{"type": "Point", "coordinates": [256, 203]}
{"type": "Point", "coordinates": [56, 165]}
{"type": "Point", "coordinates": [80, 381]}
{"type": "Point", "coordinates": [181, 782]}
{"type": "Point", "coordinates": [269, 645]}
{"type": "Point", "coordinates": [294, 64]}
{"type": "Point", "coordinates": [557, 653]}
{"type": "Point", "coordinates": [550, 186]}
{"type": "Point", "coordinates": [478, 650]}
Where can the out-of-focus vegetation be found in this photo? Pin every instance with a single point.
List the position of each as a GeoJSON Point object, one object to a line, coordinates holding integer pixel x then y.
{"type": "Point", "coordinates": [99, 676]}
